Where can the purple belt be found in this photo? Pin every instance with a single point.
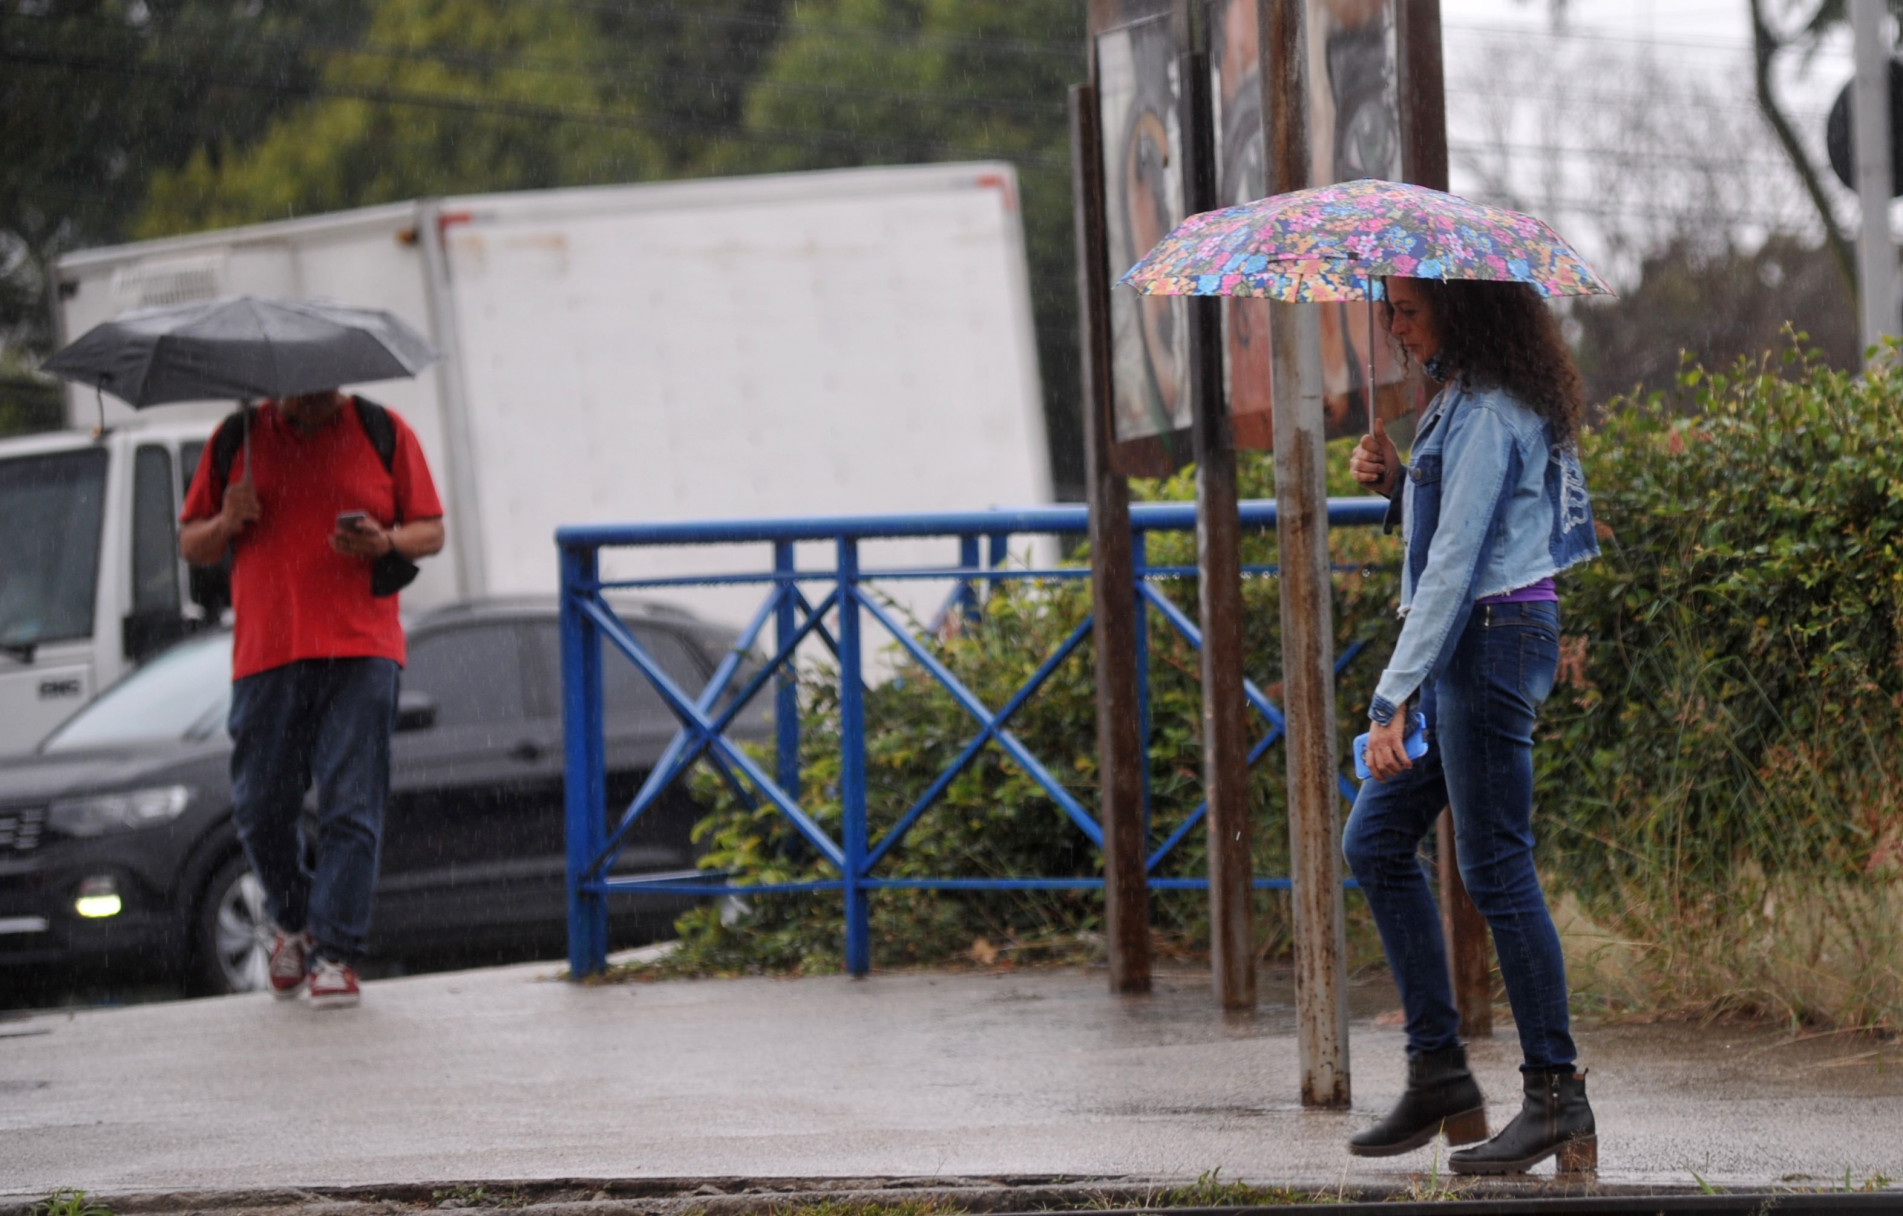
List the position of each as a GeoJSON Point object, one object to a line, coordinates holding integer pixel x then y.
{"type": "Point", "coordinates": [1542, 592]}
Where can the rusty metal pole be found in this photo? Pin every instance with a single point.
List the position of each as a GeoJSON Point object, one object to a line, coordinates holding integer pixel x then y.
{"type": "Point", "coordinates": [1301, 503]}
{"type": "Point", "coordinates": [1424, 162]}
{"type": "Point", "coordinates": [1219, 584]}
{"type": "Point", "coordinates": [1126, 892]}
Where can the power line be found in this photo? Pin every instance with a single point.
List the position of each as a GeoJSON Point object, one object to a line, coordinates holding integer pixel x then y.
{"type": "Point", "coordinates": [885, 33]}
{"type": "Point", "coordinates": [605, 69]}
{"type": "Point", "coordinates": [818, 139]}
{"type": "Point", "coordinates": [1690, 163]}
{"type": "Point", "coordinates": [1500, 30]}
{"type": "Point", "coordinates": [1601, 100]}
{"type": "Point", "coordinates": [1615, 208]}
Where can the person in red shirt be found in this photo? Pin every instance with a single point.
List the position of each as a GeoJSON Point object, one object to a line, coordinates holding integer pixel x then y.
{"type": "Point", "coordinates": [306, 509]}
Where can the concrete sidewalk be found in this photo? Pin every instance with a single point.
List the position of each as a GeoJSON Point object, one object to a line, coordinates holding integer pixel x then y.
{"type": "Point", "coordinates": [508, 1074]}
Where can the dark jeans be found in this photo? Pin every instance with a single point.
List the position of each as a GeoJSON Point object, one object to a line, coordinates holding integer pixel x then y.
{"type": "Point", "coordinates": [1480, 716]}
{"type": "Point", "coordinates": [322, 722]}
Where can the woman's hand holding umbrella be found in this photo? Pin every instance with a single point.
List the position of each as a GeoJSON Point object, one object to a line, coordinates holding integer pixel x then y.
{"type": "Point", "coordinates": [1376, 462]}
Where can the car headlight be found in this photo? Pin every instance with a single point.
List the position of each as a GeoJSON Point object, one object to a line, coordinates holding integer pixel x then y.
{"type": "Point", "coordinates": [119, 812]}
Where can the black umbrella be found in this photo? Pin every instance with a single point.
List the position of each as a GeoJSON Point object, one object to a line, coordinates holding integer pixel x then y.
{"type": "Point", "coordinates": [241, 348]}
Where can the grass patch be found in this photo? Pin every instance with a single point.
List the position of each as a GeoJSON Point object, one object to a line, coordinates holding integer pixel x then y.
{"type": "Point", "coordinates": [1211, 1191]}
{"type": "Point", "coordinates": [871, 1207]}
{"type": "Point", "coordinates": [65, 1202]}
{"type": "Point", "coordinates": [465, 1196]}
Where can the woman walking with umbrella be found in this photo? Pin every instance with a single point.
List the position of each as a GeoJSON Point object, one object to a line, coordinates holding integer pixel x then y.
{"type": "Point", "coordinates": [1494, 504]}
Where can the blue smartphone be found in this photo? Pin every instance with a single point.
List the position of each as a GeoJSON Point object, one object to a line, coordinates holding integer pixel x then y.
{"type": "Point", "coordinates": [1414, 742]}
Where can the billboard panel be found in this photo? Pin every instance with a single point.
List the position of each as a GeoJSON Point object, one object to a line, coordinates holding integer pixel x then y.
{"type": "Point", "coordinates": [1143, 199]}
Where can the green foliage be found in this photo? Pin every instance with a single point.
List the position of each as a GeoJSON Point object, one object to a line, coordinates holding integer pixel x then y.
{"type": "Point", "coordinates": [1210, 1191]}
{"type": "Point", "coordinates": [70, 1203]}
{"type": "Point", "coordinates": [100, 94]}
{"type": "Point", "coordinates": [993, 819]}
{"type": "Point", "coordinates": [1720, 784]}
{"type": "Point", "coordinates": [27, 402]}
{"type": "Point", "coordinates": [483, 95]}
{"type": "Point", "coordinates": [870, 1207]}
{"type": "Point", "coordinates": [464, 1195]}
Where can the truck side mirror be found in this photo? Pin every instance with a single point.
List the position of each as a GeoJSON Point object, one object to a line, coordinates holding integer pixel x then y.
{"type": "Point", "coordinates": [145, 633]}
{"type": "Point", "coordinates": [415, 711]}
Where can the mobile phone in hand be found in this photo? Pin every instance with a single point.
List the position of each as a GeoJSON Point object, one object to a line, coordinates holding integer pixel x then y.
{"type": "Point", "coordinates": [353, 521]}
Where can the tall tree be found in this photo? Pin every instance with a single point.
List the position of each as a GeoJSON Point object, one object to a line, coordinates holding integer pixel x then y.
{"type": "Point", "coordinates": [437, 97]}
{"type": "Point", "coordinates": [98, 95]}
{"type": "Point", "coordinates": [1769, 44]}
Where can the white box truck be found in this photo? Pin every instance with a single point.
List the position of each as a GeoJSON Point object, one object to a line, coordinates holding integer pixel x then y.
{"type": "Point", "coordinates": [846, 341]}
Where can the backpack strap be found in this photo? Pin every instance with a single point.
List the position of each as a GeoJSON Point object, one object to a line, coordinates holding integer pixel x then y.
{"type": "Point", "coordinates": [392, 572]}
{"type": "Point", "coordinates": [225, 446]}
{"type": "Point", "coordinates": [381, 428]}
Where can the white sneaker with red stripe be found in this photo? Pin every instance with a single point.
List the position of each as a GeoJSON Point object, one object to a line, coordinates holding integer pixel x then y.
{"type": "Point", "coordinates": [333, 985]}
{"type": "Point", "coordinates": [290, 960]}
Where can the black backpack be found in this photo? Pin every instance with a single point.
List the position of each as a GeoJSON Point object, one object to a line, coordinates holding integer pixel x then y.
{"type": "Point", "coordinates": [390, 573]}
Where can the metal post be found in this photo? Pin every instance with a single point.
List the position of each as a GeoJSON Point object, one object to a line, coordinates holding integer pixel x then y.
{"type": "Point", "coordinates": [968, 592]}
{"type": "Point", "coordinates": [1219, 571]}
{"type": "Point", "coordinates": [1307, 630]}
{"type": "Point", "coordinates": [1115, 611]}
{"type": "Point", "coordinates": [1870, 131]}
{"type": "Point", "coordinates": [852, 762]}
{"type": "Point", "coordinates": [467, 535]}
{"type": "Point", "coordinates": [585, 782]}
{"type": "Point", "coordinates": [1140, 649]}
{"type": "Point", "coordinates": [786, 687]}
{"type": "Point", "coordinates": [1424, 162]}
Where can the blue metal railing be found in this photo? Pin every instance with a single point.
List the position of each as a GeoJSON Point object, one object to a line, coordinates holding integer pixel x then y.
{"type": "Point", "coordinates": [588, 621]}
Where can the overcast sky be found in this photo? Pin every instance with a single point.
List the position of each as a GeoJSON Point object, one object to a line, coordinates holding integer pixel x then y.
{"type": "Point", "coordinates": [1630, 119]}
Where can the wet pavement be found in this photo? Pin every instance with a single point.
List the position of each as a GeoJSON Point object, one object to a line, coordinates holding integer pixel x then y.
{"type": "Point", "coordinates": [510, 1074]}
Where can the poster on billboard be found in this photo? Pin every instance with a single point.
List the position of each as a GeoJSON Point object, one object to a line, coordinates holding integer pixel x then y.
{"type": "Point", "coordinates": [1143, 200]}
{"type": "Point", "coordinates": [1354, 132]}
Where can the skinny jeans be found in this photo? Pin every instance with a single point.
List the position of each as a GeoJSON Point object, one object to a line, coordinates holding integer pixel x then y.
{"type": "Point", "coordinates": [322, 723]}
{"type": "Point", "coordinates": [1480, 713]}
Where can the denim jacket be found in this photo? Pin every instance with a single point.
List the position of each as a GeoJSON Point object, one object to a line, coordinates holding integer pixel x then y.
{"type": "Point", "coordinates": [1491, 504]}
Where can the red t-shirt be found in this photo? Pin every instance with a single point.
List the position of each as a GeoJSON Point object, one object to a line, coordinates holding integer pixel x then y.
{"type": "Point", "coordinates": [295, 597]}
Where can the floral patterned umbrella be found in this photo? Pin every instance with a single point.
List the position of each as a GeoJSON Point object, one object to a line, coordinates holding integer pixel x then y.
{"type": "Point", "coordinates": [1336, 242]}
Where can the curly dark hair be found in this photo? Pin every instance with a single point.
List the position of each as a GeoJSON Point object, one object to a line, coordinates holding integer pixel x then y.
{"type": "Point", "coordinates": [1502, 335]}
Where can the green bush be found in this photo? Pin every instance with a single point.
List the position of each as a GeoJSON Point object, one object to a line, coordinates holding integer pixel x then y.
{"type": "Point", "coordinates": [1720, 784]}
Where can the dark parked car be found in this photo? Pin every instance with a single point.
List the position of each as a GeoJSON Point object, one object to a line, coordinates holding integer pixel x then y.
{"type": "Point", "coordinates": [117, 845]}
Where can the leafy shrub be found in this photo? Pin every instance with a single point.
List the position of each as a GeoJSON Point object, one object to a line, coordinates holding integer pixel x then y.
{"type": "Point", "coordinates": [1721, 779]}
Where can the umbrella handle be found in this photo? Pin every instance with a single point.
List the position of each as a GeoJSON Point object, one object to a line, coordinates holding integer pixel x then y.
{"type": "Point", "coordinates": [249, 411]}
{"type": "Point", "coordinates": [1371, 362]}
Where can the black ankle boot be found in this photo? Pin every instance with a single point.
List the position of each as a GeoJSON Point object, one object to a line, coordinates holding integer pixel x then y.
{"type": "Point", "coordinates": [1441, 1093]}
{"type": "Point", "coordinates": [1555, 1120]}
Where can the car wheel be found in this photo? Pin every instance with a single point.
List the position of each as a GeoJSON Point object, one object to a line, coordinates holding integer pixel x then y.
{"type": "Point", "coordinates": [234, 932]}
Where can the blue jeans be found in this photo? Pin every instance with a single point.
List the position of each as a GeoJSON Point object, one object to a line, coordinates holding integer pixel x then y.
{"type": "Point", "coordinates": [1480, 715]}
{"type": "Point", "coordinates": [322, 722]}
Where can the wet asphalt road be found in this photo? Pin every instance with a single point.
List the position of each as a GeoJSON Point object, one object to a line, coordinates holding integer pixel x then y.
{"type": "Point", "coordinates": [507, 1073]}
